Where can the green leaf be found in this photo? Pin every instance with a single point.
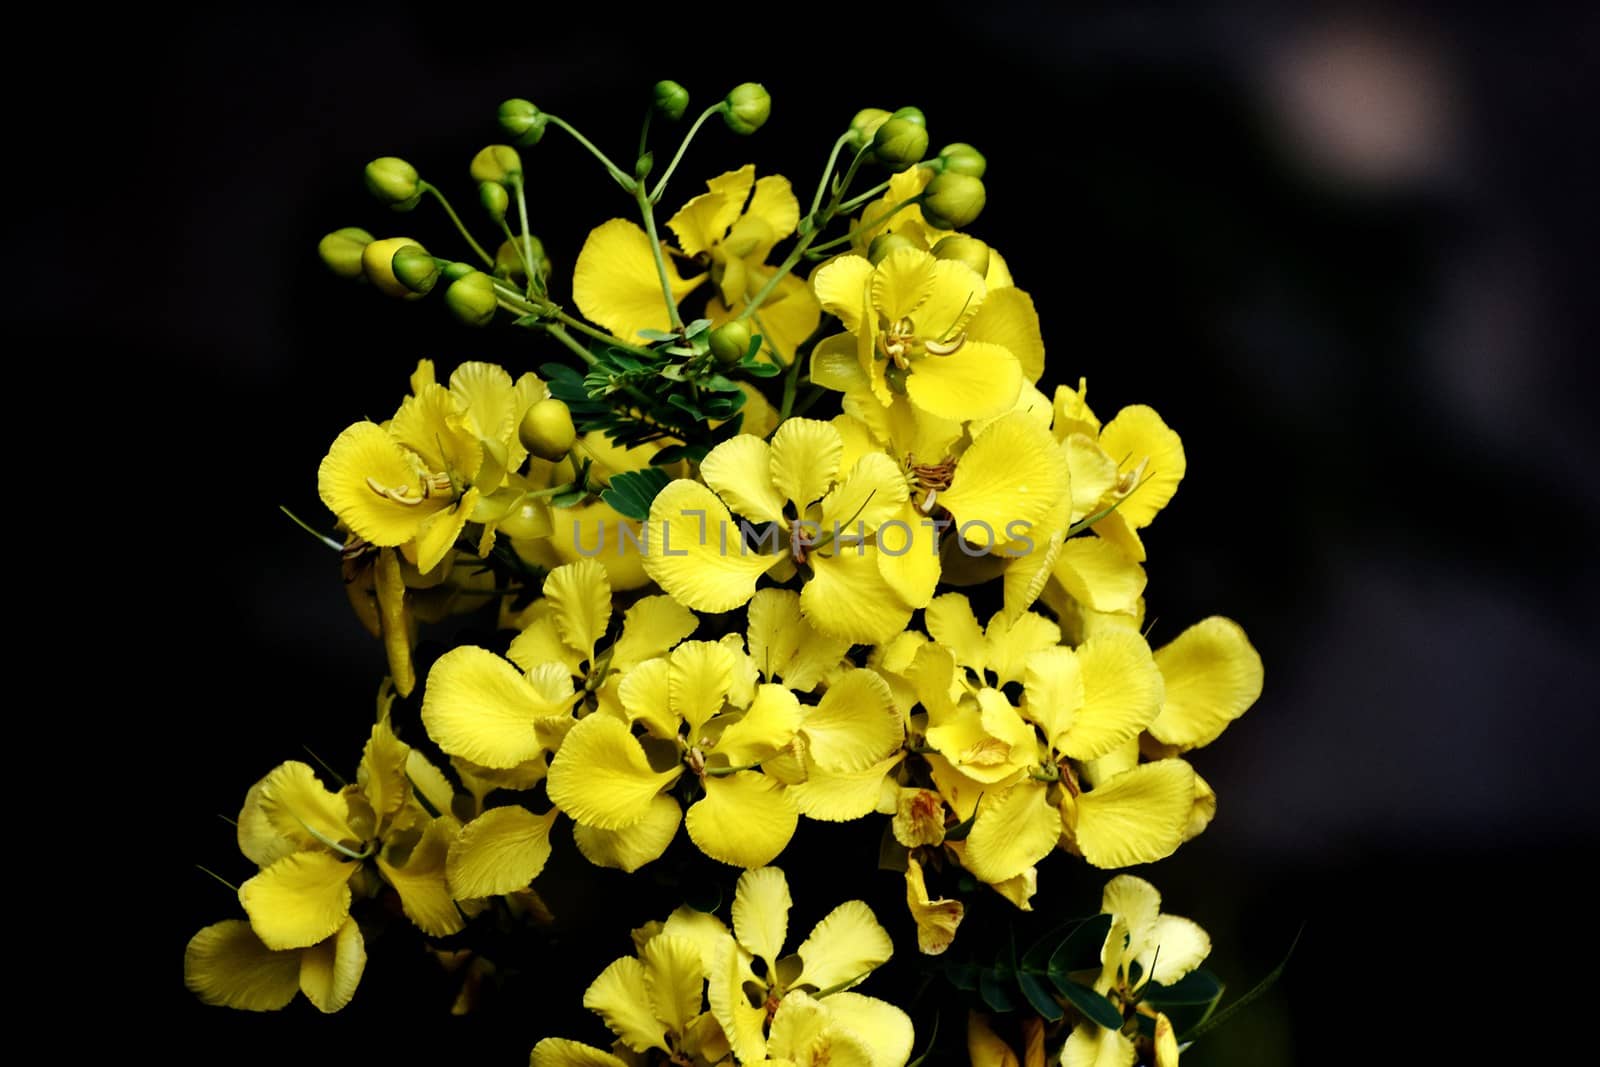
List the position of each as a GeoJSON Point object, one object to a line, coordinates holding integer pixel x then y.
{"type": "Point", "coordinates": [1197, 987]}
{"type": "Point", "coordinates": [960, 830]}
{"type": "Point", "coordinates": [1038, 995]}
{"type": "Point", "coordinates": [1094, 1006]}
{"type": "Point", "coordinates": [632, 492]}
{"type": "Point", "coordinates": [1243, 1002]}
{"type": "Point", "coordinates": [1081, 949]}
{"type": "Point", "coordinates": [994, 992]}
{"type": "Point", "coordinates": [657, 335]}
{"type": "Point", "coordinates": [963, 974]}
{"type": "Point", "coordinates": [669, 454]}
{"type": "Point", "coordinates": [1037, 958]}
{"type": "Point", "coordinates": [760, 368]}
{"type": "Point", "coordinates": [697, 327]}
{"type": "Point", "coordinates": [570, 499]}
{"type": "Point", "coordinates": [892, 855]}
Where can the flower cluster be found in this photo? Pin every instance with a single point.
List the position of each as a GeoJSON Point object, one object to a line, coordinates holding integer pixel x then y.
{"type": "Point", "coordinates": [724, 611]}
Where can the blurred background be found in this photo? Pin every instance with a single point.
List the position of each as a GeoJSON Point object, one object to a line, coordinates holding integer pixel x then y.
{"type": "Point", "coordinates": [1346, 254]}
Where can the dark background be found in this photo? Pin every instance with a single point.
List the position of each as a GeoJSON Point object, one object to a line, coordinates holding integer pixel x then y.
{"type": "Point", "coordinates": [1347, 255]}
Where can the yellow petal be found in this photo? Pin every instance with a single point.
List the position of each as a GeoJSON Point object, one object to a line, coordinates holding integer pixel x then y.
{"type": "Point", "coordinates": [381, 775]}
{"type": "Point", "coordinates": [841, 286]}
{"type": "Point", "coordinates": [904, 281]}
{"type": "Point", "coordinates": [785, 319]}
{"type": "Point", "coordinates": [950, 621]}
{"type": "Point", "coordinates": [438, 533]}
{"type": "Point", "coordinates": [580, 600]}
{"type": "Point", "coordinates": [1122, 693]}
{"type": "Point", "coordinates": [1090, 1046]}
{"type": "Point", "coordinates": [774, 203]}
{"type": "Point", "coordinates": [975, 381]}
{"type": "Point", "coordinates": [805, 460]}
{"type": "Point", "coordinates": [1008, 482]}
{"type": "Point", "coordinates": [615, 282]}
{"type": "Point", "coordinates": [650, 628]}
{"type": "Point", "coordinates": [601, 776]}
{"type": "Point", "coordinates": [1139, 434]}
{"type": "Point", "coordinates": [743, 820]}
{"type": "Point", "coordinates": [1011, 643]}
{"type": "Point", "coordinates": [761, 904]}
{"type": "Point", "coordinates": [698, 681]}
{"type": "Point", "coordinates": [635, 845]}
{"type": "Point", "coordinates": [621, 997]}
{"type": "Point", "coordinates": [688, 524]}
{"type": "Point", "coordinates": [843, 948]}
{"type": "Point", "coordinates": [1072, 413]}
{"type": "Point", "coordinates": [282, 810]}
{"type": "Point", "coordinates": [429, 781]}
{"type": "Point", "coordinates": [936, 920]}
{"type": "Point", "coordinates": [675, 977]}
{"type": "Point", "coordinates": [1019, 890]}
{"type": "Point", "coordinates": [783, 645]}
{"type": "Point", "coordinates": [836, 364]}
{"type": "Point", "coordinates": [1053, 692]}
{"type": "Point", "coordinates": [330, 971]}
{"type": "Point", "coordinates": [1205, 809]}
{"type": "Point", "coordinates": [367, 451]}
{"type": "Point", "coordinates": [1093, 473]}
{"type": "Point", "coordinates": [847, 597]}
{"type": "Point", "coordinates": [299, 900]}
{"type": "Point", "coordinates": [841, 797]}
{"type": "Point", "coordinates": [1166, 1042]}
{"type": "Point", "coordinates": [769, 725]}
{"type": "Point", "coordinates": [478, 706]}
{"type": "Point", "coordinates": [1029, 570]}
{"type": "Point", "coordinates": [1175, 947]}
{"type": "Point", "coordinates": [855, 725]}
{"type": "Point", "coordinates": [884, 1029]}
{"type": "Point", "coordinates": [644, 695]}
{"type": "Point", "coordinates": [561, 1052]}
{"type": "Point", "coordinates": [702, 222]}
{"type": "Point", "coordinates": [1007, 318]}
{"type": "Point", "coordinates": [1099, 575]}
{"type": "Point", "coordinates": [1213, 674]}
{"type": "Point", "coordinates": [740, 470]}
{"type": "Point", "coordinates": [984, 1047]}
{"type": "Point", "coordinates": [743, 1023]}
{"type": "Point", "coordinates": [918, 818]}
{"type": "Point", "coordinates": [420, 879]}
{"type": "Point", "coordinates": [226, 965]}
{"type": "Point", "coordinates": [1137, 817]}
{"type": "Point", "coordinates": [1013, 831]}
{"type": "Point", "coordinates": [874, 491]}
{"type": "Point", "coordinates": [499, 852]}
{"type": "Point", "coordinates": [908, 555]}
{"type": "Point", "coordinates": [597, 531]}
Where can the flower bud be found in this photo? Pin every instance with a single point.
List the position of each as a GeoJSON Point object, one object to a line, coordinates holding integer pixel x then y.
{"type": "Point", "coordinates": [377, 263]}
{"type": "Point", "coordinates": [395, 182]}
{"type": "Point", "coordinates": [671, 100]}
{"type": "Point", "coordinates": [745, 110]}
{"type": "Point", "coordinates": [885, 243]}
{"type": "Point", "coordinates": [414, 268]}
{"type": "Point", "coordinates": [497, 163]}
{"type": "Point", "coordinates": [730, 341]}
{"type": "Point", "coordinates": [472, 298]}
{"type": "Point", "coordinates": [963, 249]}
{"type": "Point", "coordinates": [643, 165]}
{"type": "Point", "coordinates": [912, 115]}
{"type": "Point", "coordinates": [494, 199]}
{"type": "Point", "coordinates": [900, 143]}
{"type": "Point", "coordinates": [952, 200]}
{"type": "Point", "coordinates": [522, 122]}
{"type": "Point", "coordinates": [865, 124]}
{"type": "Point", "coordinates": [508, 258]}
{"type": "Point", "coordinates": [547, 430]}
{"type": "Point", "coordinates": [963, 159]}
{"type": "Point", "coordinates": [341, 250]}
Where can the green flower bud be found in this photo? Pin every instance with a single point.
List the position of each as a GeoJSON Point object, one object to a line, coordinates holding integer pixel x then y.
{"type": "Point", "coordinates": [341, 250]}
{"type": "Point", "coordinates": [395, 182]}
{"type": "Point", "coordinates": [522, 122]}
{"type": "Point", "coordinates": [953, 200]}
{"type": "Point", "coordinates": [963, 159]}
{"type": "Point", "coordinates": [745, 110]}
{"type": "Point", "coordinates": [472, 298]}
{"type": "Point", "coordinates": [547, 430]}
{"type": "Point", "coordinates": [494, 199]}
{"type": "Point", "coordinates": [911, 114]}
{"type": "Point", "coordinates": [497, 163]}
{"type": "Point", "coordinates": [414, 268]}
{"type": "Point", "coordinates": [900, 143]}
{"type": "Point", "coordinates": [643, 165]}
{"type": "Point", "coordinates": [865, 124]}
{"type": "Point", "coordinates": [885, 243]}
{"type": "Point", "coordinates": [455, 271]}
{"type": "Point", "coordinates": [508, 258]}
{"type": "Point", "coordinates": [963, 249]}
{"type": "Point", "coordinates": [672, 99]}
{"type": "Point", "coordinates": [730, 341]}
{"type": "Point", "coordinates": [377, 263]}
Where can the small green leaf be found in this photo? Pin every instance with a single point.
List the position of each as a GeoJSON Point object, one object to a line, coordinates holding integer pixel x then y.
{"type": "Point", "coordinates": [1038, 995]}
{"type": "Point", "coordinates": [1094, 1006]}
{"type": "Point", "coordinates": [570, 499]}
{"type": "Point", "coordinates": [1081, 949]}
{"type": "Point", "coordinates": [994, 993]}
{"type": "Point", "coordinates": [1037, 958]}
{"type": "Point", "coordinates": [697, 327]}
{"type": "Point", "coordinates": [960, 830]}
{"type": "Point", "coordinates": [760, 368]}
{"type": "Point", "coordinates": [669, 454]}
{"type": "Point", "coordinates": [1197, 987]}
{"type": "Point", "coordinates": [632, 492]}
{"type": "Point", "coordinates": [656, 335]}
{"type": "Point", "coordinates": [962, 974]}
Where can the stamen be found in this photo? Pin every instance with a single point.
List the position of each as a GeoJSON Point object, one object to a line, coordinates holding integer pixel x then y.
{"type": "Point", "coordinates": [946, 348]}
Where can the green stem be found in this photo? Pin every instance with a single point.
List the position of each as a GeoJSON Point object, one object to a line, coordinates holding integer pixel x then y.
{"type": "Point", "coordinates": [505, 228]}
{"type": "Point", "coordinates": [218, 877]}
{"type": "Point", "coordinates": [644, 131]}
{"type": "Point", "coordinates": [865, 226]}
{"type": "Point", "coordinates": [827, 172]}
{"type": "Point", "coordinates": [648, 211]}
{"type": "Point", "coordinates": [324, 538]}
{"type": "Point", "coordinates": [511, 300]}
{"type": "Point", "coordinates": [861, 198]}
{"type": "Point", "coordinates": [448, 210]}
{"type": "Point", "coordinates": [791, 382]}
{"type": "Point", "coordinates": [616, 172]}
{"type": "Point", "coordinates": [566, 338]}
{"type": "Point", "coordinates": [522, 213]}
{"type": "Point", "coordinates": [683, 146]}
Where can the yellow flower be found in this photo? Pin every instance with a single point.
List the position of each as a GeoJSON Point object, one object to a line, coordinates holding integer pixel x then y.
{"type": "Point", "coordinates": [699, 713]}
{"type": "Point", "coordinates": [311, 844]}
{"type": "Point", "coordinates": [986, 1049]}
{"type": "Point", "coordinates": [813, 513]}
{"type": "Point", "coordinates": [910, 223]}
{"type": "Point", "coordinates": [798, 1008]}
{"type": "Point", "coordinates": [730, 229]}
{"type": "Point", "coordinates": [785, 647]}
{"type": "Point", "coordinates": [227, 965]}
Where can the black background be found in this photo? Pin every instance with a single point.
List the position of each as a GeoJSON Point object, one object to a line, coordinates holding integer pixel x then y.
{"type": "Point", "coordinates": [1378, 347]}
